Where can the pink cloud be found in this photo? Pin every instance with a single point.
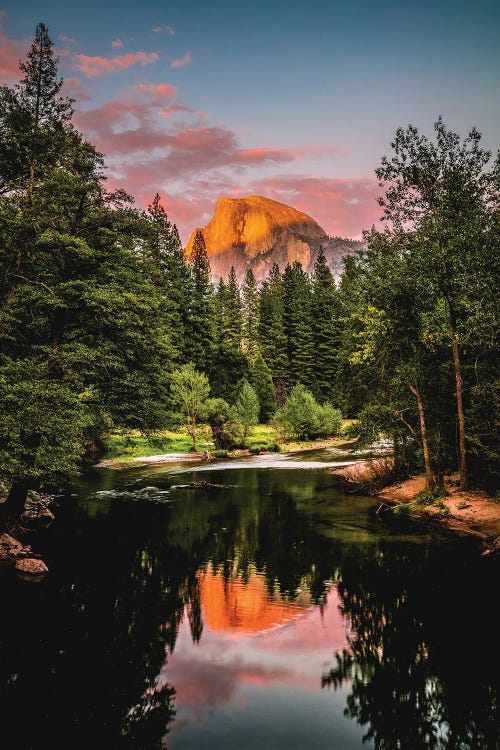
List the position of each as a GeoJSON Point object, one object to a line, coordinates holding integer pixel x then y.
{"type": "Point", "coordinates": [160, 29]}
{"type": "Point", "coordinates": [117, 44]}
{"type": "Point", "coordinates": [11, 50]}
{"type": "Point", "coordinates": [342, 206]}
{"type": "Point", "coordinates": [67, 39]}
{"type": "Point", "coordinates": [98, 66]}
{"type": "Point", "coordinates": [181, 61]}
{"type": "Point", "coordinates": [73, 88]}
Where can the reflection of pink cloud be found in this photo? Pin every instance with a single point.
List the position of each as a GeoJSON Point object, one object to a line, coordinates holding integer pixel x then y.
{"type": "Point", "coordinates": [228, 670]}
{"type": "Point", "coordinates": [98, 66]}
{"type": "Point", "coordinates": [181, 61]}
{"type": "Point", "coordinates": [117, 44]}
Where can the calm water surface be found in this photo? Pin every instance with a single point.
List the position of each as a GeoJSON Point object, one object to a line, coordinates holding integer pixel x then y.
{"type": "Point", "coordinates": [275, 612]}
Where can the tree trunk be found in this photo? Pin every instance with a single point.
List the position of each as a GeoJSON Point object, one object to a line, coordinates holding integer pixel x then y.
{"type": "Point", "coordinates": [429, 478]}
{"type": "Point", "coordinates": [464, 480]}
{"type": "Point", "coordinates": [192, 432]}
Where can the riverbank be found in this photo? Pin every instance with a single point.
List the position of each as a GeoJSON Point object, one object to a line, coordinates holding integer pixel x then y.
{"type": "Point", "coordinates": [471, 512]}
{"type": "Point", "coordinates": [261, 441]}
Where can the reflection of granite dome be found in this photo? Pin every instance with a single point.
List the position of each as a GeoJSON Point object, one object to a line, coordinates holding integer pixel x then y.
{"type": "Point", "coordinates": [245, 606]}
{"type": "Point", "coordinates": [255, 232]}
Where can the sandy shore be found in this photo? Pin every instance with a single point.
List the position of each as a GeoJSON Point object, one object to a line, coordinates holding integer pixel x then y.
{"type": "Point", "coordinates": [471, 512]}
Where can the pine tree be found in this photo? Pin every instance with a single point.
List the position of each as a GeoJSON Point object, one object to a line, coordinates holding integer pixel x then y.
{"type": "Point", "coordinates": [262, 381]}
{"type": "Point", "coordinates": [166, 263]}
{"type": "Point", "coordinates": [298, 326]}
{"type": "Point", "coordinates": [325, 328]}
{"type": "Point", "coordinates": [247, 407]}
{"type": "Point", "coordinates": [250, 315]}
{"type": "Point", "coordinates": [83, 344]}
{"type": "Point", "coordinates": [272, 339]}
{"type": "Point", "coordinates": [232, 312]}
{"type": "Point", "coordinates": [201, 333]}
{"type": "Point", "coordinates": [34, 118]}
{"type": "Point", "coordinates": [220, 311]}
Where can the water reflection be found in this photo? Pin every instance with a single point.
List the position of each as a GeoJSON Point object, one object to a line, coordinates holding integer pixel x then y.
{"type": "Point", "coordinates": [199, 620]}
{"type": "Point", "coordinates": [424, 652]}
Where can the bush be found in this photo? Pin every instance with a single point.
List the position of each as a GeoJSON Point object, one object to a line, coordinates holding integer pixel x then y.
{"type": "Point", "coordinates": [221, 453]}
{"type": "Point", "coordinates": [403, 510]}
{"type": "Point", "coordinates": [330, 420]}
{"type": "Point", "coordinates": [303, 418]}
{"type": "Point", "coordinates": [223, 420]}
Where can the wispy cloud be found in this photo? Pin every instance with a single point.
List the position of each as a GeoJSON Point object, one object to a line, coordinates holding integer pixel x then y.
{"type": "Point", "coordinates": [99, 66]}
{"type": "Point", "coordinates": [163, 30]}
{"type": "Point", "coordinates": [11, 50]}
{"type": "Point", "coordinates": [67, 39]}
{"type": "Point", "coordinates": [117, 44]}
{"type": "Point", "coordinates": [181, 61]}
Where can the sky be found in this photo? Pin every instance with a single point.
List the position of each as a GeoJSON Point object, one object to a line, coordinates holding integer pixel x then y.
{"type": "Point", "coordinates": [293, 101]}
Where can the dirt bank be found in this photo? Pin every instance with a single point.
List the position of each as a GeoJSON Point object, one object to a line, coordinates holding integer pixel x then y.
{"type": "Point", "coordinates": [471, 512]}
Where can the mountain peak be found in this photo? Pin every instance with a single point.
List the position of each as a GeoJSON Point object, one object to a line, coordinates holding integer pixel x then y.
{"type": "Point", "coordinates": [256, 232]}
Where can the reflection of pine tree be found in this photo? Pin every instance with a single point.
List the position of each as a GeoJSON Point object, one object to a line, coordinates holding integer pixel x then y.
{"type": "Point", "coordinates": [406, 683]}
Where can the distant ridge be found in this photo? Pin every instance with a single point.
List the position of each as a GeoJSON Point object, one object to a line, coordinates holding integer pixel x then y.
{"type": "Point", "coordinates": [256, 232]}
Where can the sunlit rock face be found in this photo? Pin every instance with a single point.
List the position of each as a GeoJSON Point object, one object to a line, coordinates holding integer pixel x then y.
{"type": "Point", "coordinates": [256, 232]}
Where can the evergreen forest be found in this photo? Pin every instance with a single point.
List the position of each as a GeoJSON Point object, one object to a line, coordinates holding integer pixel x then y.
{"type": "Point", "coordinates": [106, 325]}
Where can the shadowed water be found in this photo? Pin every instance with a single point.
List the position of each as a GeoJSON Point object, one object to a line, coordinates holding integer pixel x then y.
{"type": "Point", "coordinates": [273, 612]}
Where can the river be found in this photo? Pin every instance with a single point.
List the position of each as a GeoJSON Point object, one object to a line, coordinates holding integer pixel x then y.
{"type": "Point", "coordinates": [273, 612]}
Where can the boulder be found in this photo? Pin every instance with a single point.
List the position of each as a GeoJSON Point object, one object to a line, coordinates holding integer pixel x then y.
{"type": "Point", "coordinates": [8, 541]}
{"type": "Point", "coordinates": [31, 567]}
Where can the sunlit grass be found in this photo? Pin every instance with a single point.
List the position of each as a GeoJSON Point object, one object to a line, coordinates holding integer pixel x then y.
{"type": "Point", "coordinates": [122, 446]}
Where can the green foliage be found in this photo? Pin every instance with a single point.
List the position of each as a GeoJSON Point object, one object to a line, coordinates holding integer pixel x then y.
{"type": "Point", "coordinates": [223, 419]}
{"type": "Point", "coordinates": [329, 420]}
{"type": "Point", "coordinates": [190, 390]}
{"type": "Point", "coordinates": [250, 315]}
{"type": "Point", "coordinates": [200, 329]}
{"type": "Point", "coordinates": [302, 417]}
{"type": "Point", "coordinates": [229, 367]}
{"type": "Point", "coordinates": [326, 328]}
{"type": "Point", "coordinates": [42, 427]}
{"type": "Point", "coordinates": [247, 407]}
{"type": "Point", "coordinates": [297, 319]}
{"type": "Point", "coordinates": [262, 381]}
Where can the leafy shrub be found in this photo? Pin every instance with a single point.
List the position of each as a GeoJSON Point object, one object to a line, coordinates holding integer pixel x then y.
{"type": "Point", "coordinates": [303, 418]}
{"type": "Point", "coordinates": [403, 510]}
{"type": "Point", "coordinates": [223, 420]}
{"type": "Point", "coordinates": [330, 420]}
{"type": "Point", "coordinates": [220, 453]}
{"type": "Point", "coordinates": [426, 497]}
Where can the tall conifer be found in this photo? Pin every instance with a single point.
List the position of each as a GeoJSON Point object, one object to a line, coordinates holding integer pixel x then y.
{"type": "Point", "coordinates": [201, 333]}
{"type": "Point", "coordinates": [325, 328]}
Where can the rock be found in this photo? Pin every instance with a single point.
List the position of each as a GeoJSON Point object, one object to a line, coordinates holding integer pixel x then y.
{"type": "Point", "coordinates": [6, 540]}
{"type": "Point", "coordinates": [31, 567]}
{"type": "Point", "coordinates": [256, 232]}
